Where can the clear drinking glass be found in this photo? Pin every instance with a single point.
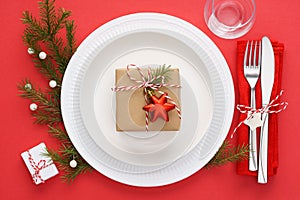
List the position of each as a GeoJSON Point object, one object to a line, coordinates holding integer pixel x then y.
{"type": "Point", "coordinates": [229, 19]}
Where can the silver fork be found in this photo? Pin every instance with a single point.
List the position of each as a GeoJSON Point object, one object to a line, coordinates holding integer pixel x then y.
{"type": "Point", "coordinates": [251, 73]}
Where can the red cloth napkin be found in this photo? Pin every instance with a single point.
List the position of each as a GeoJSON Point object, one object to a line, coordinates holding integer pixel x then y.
{"type": "Point", "coordinates": [244, 99]}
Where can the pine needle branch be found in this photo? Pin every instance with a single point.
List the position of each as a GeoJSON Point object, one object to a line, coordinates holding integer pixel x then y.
{"type": "Point", "coordinates": [46, 33]}
{"type": "Point", "coordinates": [33, 26]}
{"type": "Point", "coordinates": [229, 153]}
{"type": "Point", "coordinates": [47, 68]}
{"type": "Point", "coordinates": [59, 134]}
{"type": "Point", "coordinates": [61, 20]}
{"type": "Point", "coordinates": [49, 109]}
{"type": "Point", "coordinates": [36, 95]}
{"type": "Point", "coordinates": [72, 173]}
{"type": "Point", "coordinates": [70, 32]}
{"type": "Point", "coordinates": [42, 117]}
{"type": "Point", "coordinates": [63, 157]}
{"type": "Point", "coordinates": [47, 14]}
{"type": "Point", "coordinates": [56, 46]}
{"type": "Point", "coordinates": [161, 71]}
{"type": "Point", "coordinates": [55, 23]}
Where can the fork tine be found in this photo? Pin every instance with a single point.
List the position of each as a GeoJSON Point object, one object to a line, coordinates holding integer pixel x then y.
{"type": "Point", "coordinates": [254, 55]}
{"type": "Point", "coordinates": [250, 56]}
{"type": "Point", "coordinates": [246, 54]}
{"type": "Point", "coordinates": [259, 54]}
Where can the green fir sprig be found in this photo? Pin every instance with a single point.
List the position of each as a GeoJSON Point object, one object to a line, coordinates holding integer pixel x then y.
{"type": "Point", "coordinates": [161, 71]}
{"type": "Point", "coordinates": [46, 34]}
{"type": "Point", "coordinates": [66, 153]}
{"type": "Point", "coordinates": [229, 153]}
{"type": "Point", "coordinates": [49, 106]}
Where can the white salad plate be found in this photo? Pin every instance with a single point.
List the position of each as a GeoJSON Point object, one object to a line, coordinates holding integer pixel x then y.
{"type": "Point", "coordinates": [147, 158]}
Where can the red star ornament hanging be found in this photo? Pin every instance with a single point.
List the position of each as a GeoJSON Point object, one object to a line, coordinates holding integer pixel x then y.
{"type": "Point", "coordinates": [159, 107]}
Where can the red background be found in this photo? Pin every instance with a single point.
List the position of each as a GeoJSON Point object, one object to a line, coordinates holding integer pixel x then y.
{"type": "Point", "coordinates": [278, 19]}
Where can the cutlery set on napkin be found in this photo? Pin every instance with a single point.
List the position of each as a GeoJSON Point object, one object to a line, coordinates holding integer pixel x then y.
{"type": "Point", "coordinates": [259, 74]}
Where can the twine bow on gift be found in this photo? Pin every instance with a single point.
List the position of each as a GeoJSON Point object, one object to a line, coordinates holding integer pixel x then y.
{"type": "Point", "coordinates": [270, 108]}
{"type": "Point", "coordinates": [42, 164]}
{"type": "Point", "coordinates": [145, 83]}
{"type": "Point", "coordinates": [150, 82]}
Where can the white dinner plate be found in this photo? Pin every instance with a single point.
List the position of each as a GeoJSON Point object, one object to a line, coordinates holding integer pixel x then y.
{"type": "Point", "coordinates": [98, 101]}
{"type": "Point", "coordinates": [154, 158]}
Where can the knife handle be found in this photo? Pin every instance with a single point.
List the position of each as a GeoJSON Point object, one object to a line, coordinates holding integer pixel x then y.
{"type": "Point", "coordinates": [263, 154]}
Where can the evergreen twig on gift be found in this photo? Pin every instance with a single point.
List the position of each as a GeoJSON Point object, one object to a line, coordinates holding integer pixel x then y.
{"type": "Point", "coordinates": [160, 71]}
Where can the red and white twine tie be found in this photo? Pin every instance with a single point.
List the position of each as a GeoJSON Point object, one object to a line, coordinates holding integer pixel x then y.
{"type": "Point", "coordinates": [37, 168]}
{"type": "Point", "coordinates": [147, 82]}
{"type": "Point", "coordinates": [276, 108]}
{"type": "Point", "coordinates": [173, 102]}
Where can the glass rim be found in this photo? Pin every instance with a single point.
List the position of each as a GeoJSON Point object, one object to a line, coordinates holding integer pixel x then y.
{"type": "Point", "coordinates": [249, 20]}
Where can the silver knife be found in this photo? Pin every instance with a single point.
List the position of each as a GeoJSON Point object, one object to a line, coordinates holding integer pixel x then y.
{"type": "Point", "coordinates": [267, 81]}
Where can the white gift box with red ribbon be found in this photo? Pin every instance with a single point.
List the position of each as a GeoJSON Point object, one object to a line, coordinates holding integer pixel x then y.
{"type": "Point", "coordinates": [40, 166]}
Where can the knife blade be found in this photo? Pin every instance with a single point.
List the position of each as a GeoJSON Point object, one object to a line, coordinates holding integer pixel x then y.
{"type": "Point", "coordinates": [267, 81]}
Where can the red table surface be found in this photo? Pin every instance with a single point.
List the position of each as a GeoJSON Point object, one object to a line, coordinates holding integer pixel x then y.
{"type": "Point", "coordinates": [278, 19]}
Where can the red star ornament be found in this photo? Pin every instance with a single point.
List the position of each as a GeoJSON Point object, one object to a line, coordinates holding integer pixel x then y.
{"type": "Point", "coordinates": [159, 108]}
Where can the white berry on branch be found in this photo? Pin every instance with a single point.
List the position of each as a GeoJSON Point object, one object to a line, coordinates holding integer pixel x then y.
{"type": "Point", "coordinates": [33, 106]}
{"type": "Point", "coordinates": [42, 55]}
{"type": "Point", "coordinates": [52, 83]}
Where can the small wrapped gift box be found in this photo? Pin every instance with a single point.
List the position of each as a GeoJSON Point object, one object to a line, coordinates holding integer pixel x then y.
{"type": "Point", "coordinates": [130, 115]}
{"type": "Point", "coordinates": [41, 167]}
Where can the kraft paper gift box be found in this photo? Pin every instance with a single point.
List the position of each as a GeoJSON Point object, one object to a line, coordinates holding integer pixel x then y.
{"type": "Point", "coordinates": [130, 115]}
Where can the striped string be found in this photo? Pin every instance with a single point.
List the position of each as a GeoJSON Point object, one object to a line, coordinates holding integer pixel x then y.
{"type": "Point", "coordinates": [37, 168]}
{"type": "Point", "coordinates": [270, 108]}
{"type": "Point", "coordinates": [146, 112]}
{"type": "Point", "coordinates": [173, 102]}
{"type": "Point", "coordinates": [147, 82]}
